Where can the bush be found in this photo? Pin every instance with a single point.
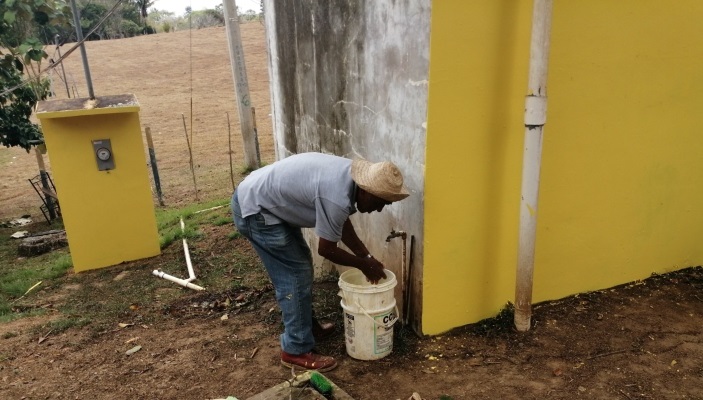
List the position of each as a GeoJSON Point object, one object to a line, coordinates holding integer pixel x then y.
{"type": "Point", "coordinates": [16, 127]}
{"type": "Point", "coordinates": [129, 28]}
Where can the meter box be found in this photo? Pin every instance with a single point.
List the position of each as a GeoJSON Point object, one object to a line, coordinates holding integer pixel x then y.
{"type": "Point", "coordinates": [101, 177]}
{"type": "Point", "coordinates": [103, 154]}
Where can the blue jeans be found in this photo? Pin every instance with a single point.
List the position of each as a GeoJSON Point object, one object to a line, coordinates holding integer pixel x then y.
{"type": "Point", "coordinates": [288, 261]}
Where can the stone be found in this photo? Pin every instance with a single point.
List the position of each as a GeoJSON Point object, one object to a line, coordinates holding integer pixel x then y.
{"type": "Point", "coordinates": [43, 242]}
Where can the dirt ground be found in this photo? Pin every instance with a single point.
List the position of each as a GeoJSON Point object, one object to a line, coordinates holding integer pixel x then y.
{"type": "Point", "coordinates": [638, 341]}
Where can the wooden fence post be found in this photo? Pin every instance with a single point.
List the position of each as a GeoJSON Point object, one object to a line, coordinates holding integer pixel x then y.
{"type": "Point", "coordinates": [154, 167]}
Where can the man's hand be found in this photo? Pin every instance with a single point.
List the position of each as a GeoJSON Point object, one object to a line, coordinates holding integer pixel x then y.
{"type": "Point", "coordinates": [373, 270]}
{"type": "Point", "coordinates": [371, 267]}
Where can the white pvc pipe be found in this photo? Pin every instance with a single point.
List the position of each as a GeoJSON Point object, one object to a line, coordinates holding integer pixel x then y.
{"type": "Point", "coordinates": [179, 281]}
{"type": "Point", "coordinates": [535, 118]}
{"type": "Point", "coordinates": [208, 209]}
{"type": "Point", "coordinates": [186, 251]}
{"type": "Point", "coordinates": [191, 274]}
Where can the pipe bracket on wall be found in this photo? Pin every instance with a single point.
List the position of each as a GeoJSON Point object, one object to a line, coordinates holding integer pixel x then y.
{"type": "Point", "coordinates": [535, 110]}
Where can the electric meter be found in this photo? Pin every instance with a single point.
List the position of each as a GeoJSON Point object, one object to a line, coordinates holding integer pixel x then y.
{"type": "Point", "coordinates": [103, 154]}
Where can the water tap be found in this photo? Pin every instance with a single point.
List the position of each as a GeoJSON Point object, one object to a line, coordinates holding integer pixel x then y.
{"type": "Point", "coordinates": [395, 234]}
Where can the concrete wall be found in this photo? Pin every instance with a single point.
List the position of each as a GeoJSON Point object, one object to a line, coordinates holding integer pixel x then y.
{"type": "Point", "coordinates": [349, 77]}
{"type": "Point", "coordinates": [622, 179]}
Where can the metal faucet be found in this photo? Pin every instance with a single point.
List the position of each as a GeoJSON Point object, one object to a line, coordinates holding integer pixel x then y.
{"type": "Point", "coordinates": [395, 234]}
{"type": "Point", "coordinates": [403, 278]}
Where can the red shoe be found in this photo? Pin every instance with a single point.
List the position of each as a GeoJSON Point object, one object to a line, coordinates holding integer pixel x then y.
{"type": "Point", "coordinates": [321, 330]}
{"type": "Point", "coordinates": [309, 361]}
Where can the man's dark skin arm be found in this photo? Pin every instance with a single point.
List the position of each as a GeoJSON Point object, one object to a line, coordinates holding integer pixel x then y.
{"type": "Point", "coordinates": [372, 268]}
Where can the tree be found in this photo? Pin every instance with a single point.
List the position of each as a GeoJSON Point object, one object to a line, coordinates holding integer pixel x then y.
{"type": "Point", "coordinates": [129, 28]}
{"type": "Point", "coordinates": [90, 16]}
{"type": "Point", "coordinates": [207, 18]}
{"type": "Point", "coordinates": [16, 107]}
{"type": "Point", "coordinates": [143, 6]}
{"type": "Point", "coordinates": [249, 15]}
{"type": "Point", "coordinates": [132, 13]}
{"type": "Point", "coordinates": [21, 55]}
{"type": "Point", "coordinates": [160, 16]}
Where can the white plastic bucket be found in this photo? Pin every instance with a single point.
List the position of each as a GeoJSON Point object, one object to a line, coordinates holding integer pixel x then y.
{"type": "Point", "coordinates": [369, 333]}
{"type": "Point", "coordinates": [369, 314]}
{"type": "Point", "coordinates": [355, 290]}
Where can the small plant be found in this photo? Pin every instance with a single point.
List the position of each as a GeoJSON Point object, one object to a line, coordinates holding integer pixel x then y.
{"type": "Point", "coordinates": [59, 267]}
{"type": "Point", "coordinates": [501, 324]}
{"type": "Point", "coordinates": [234, 235]}
{"type": "Point", "coordinates": [175, 233]}
{"type": "Point", "coordinates": [222, 221]}
{"type": "Point", "coordinates": [62, 324]}
{"type": "Point", "coordinates": [245, 170]}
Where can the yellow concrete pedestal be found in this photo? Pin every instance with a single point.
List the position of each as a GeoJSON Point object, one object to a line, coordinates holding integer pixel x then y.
{"type": "Point", "coordinates": [106, 205]}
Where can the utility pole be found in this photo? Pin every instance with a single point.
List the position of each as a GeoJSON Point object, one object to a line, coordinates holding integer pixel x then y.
{"type": "Point", "coordinates": [241, 86]}
{"type": "Point", "coordinates": [84, 55]}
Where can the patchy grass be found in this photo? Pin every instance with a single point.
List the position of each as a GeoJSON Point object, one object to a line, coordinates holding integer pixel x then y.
{"type": "Point", "coordinates": [176, 232]}
{"type": "Point", "coordinates": [18, 274]}
{"type": "Point", "coordinates": [245, 170]}
{"type": "Point", "coordinates": [168, 221]}
{"type": "Point", "coordinates": [220, 221]}
{"type": "Point", "coordinates": [63, 324]}
{"type": "Point", "coordinates": [16, 282]}
{"type": "Point", "coordinates": [128, 293]}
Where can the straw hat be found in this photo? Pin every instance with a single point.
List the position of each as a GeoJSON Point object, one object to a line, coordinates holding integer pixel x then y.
{"type": "Point", "coordinates": [382, 179]}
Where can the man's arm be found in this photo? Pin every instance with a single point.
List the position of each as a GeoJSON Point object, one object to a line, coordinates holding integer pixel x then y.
{"type": "Point", "coordinates": [372, 268]}
{"type": "Point", "coordinates": [351, 240]}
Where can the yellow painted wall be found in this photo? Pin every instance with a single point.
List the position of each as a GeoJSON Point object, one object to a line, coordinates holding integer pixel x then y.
{"type": "Point", "coordinates": [622, 176]}
{"type": "Point", "coordinates": [108, 215]}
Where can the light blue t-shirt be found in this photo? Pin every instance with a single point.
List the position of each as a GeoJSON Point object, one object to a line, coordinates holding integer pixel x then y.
{"type": "Point", "coordinates": [305, 190]}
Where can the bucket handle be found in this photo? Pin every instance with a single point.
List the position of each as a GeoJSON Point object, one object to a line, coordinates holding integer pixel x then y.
{"type": "Point", "coordinates": [387, 326]}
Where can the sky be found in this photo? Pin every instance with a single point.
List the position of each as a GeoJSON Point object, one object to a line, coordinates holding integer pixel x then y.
{"type": "Point", "coordinates": [179, 6]}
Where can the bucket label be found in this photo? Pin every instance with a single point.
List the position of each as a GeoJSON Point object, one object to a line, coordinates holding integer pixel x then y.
{"type": "Point", "coordinates": [349, 325]}
{"type": "Point", "coordinates": [383, 338]}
